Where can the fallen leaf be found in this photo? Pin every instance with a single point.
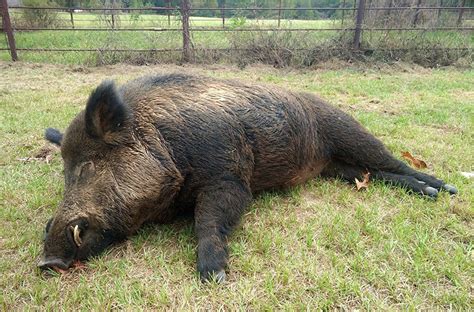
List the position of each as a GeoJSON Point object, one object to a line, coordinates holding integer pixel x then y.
{"type": "Point", "coordinates": [364, 183]}
{"type": "Point", "coordinates": [415, 162]}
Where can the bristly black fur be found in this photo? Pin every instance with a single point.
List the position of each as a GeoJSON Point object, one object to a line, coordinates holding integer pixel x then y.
{"type": "Point", "coordinates": [53, 136]}
{"type": "Point", "coordinates": [105, 110]}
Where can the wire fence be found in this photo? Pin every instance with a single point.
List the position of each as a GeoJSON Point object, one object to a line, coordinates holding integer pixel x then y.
{"type": "Point", "coordinates": [185, 31]}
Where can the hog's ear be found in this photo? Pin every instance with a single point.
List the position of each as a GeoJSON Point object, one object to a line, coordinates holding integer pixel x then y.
{"type": "Point", "coordinates": [53, 136]}
{"type": "Point", "coordinates": [106, 113]}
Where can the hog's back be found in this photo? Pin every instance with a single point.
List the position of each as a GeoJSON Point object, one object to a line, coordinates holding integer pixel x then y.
{"type": "Point", "coordinates": [266, 136]}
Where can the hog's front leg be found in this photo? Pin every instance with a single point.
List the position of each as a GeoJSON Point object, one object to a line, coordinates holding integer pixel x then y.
{"type": "Point", "coordinates": [218, 210]}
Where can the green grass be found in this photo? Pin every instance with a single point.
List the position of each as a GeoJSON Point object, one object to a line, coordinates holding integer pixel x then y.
{"type": "Point", "coordinates": [321, 245]}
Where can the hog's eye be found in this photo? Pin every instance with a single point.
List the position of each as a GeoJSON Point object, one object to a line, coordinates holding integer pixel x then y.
{"type": "Point", "coordinates": [46, 230]}
{"type": "Point", "coordinates": [86, 169]}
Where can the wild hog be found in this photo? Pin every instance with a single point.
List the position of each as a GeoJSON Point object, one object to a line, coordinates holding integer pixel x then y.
{"type": "Point", "coordinates": [164, 145]}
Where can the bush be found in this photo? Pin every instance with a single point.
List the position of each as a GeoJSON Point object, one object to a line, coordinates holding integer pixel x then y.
{"type": "Point", "coordinates": [38, 18]}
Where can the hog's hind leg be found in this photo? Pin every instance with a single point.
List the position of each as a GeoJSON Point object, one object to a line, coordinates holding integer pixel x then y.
{"type": "Point", "coordinates": [354, 149]}
{"type": "Point", "coordinates": [218, 209]}
{"type": "Point", "coordinates": [339, 169]}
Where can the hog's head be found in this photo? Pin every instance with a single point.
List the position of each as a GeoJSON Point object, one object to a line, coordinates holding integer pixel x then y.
{"type": "Point", "coordinates": [117, 175]}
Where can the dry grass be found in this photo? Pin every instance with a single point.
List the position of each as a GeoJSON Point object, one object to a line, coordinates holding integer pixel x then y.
{"type": "Point", "coordinates": [322, 245]}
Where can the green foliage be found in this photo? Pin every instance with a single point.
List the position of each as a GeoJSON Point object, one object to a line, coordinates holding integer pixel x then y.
{"type": "Point", "coordinates": [37, 18]}
{"type": "Point", "coordinates": [237, 21]}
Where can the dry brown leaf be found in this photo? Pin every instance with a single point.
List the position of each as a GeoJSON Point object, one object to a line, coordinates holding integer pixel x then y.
{"type": "Point", "coordinates": [415, 162]}
{"type": "Point", "coordinates": [364, 183]}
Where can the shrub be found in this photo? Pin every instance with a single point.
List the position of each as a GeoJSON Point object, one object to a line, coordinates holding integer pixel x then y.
{"type": "Point", "coordinates": [37, 18]}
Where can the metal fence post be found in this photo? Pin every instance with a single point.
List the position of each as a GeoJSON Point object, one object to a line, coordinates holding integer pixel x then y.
{"type": "Point", "coordinates": [461, 12]}
{"type": "Point", "coordinates": [358, 27]}
{"type": "Point", "coordinates": [113, 14]}
{"type": "Point", "coordinates": [417, 13]}
{"type": "Point", "coordinates": [223, 13]}
{"type": "Point", "coordinates": [168, 11]}
{"type": "Point", "coordinates": [279, 13]}
{"type": "Point", "coordinates": [7, 28]}
{"type": "Point", "coordinates": [389, 4]}
{"type": "Point", "coordinates": [343, 12]}
{"type": "Point", "coordinates": [71, 11]}
{"type": "Point", "coordinates": [185, 10]}
{"type": "Point", "coordinates": [440, 4]}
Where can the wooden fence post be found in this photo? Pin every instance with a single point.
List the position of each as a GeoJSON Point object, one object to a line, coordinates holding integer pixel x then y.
{"type": "Point", "coordinates": [185, 10]}
{"type": "Point", "coordinates": [461, 12]}
{"type": "Point", "coordinates": [7, 28]}
{"type": "Point", "coordinates": [358, 27]}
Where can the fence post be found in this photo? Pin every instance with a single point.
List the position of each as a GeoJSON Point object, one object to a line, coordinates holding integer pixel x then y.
{"type": "Point", "coordinates": [185, 10]}
{"type": "Point", "coordinates": [461, 12]}
{"type": "Point", "coordinates": [343, 12]}
{"type": "Point", "coordinates": [7, 28]}
{"type": "Point", "coordinates": [71, 11]}
{"type": "Point", "coordinates": [354, 10]}
{"type": "Point", "coordinates": [417, 13]}
{"type": "Point", "coordinates": [113, 14]}
{"type": "Point", "coordinates": [389, 5]}
{"type": "Point", "coordinates": [279, 13]}
{"type": "Point", "coordinates": [358, 27]}
{"type": "Point", "coordinates": [223, 13]}
{"type": "Point", "coordinates": [254, 11]}
{"type": "Point", "coordinates": [440, 4]}
{"type": "Point", "coordinates": [168, 6]}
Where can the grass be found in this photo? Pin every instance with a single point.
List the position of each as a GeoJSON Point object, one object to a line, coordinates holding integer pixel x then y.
{"type": "Point", "coordinates": [296, 42]}
{"type": "Point", "coordinates": [321, 245]}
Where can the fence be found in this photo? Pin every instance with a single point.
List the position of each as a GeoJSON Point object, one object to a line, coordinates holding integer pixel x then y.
{"type": "Point", "coordinates": [351, 16]}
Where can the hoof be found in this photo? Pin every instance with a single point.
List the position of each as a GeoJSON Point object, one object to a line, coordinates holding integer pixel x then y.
{"type": "Point", "coordinates": [451, 189]}
{"type": "Point", "coordinates": [218, 277]}
{"type": "Point", "coordinates": [430, 191]}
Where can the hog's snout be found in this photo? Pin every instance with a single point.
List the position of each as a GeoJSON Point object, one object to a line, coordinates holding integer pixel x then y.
{"type": "Point", "coordinates": [52, 263]}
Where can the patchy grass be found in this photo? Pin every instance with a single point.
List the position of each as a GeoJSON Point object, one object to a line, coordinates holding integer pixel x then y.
{"type": "Point", "coordinates": [321, 245]}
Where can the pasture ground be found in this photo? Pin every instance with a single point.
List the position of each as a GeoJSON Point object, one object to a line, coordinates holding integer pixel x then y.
{"type": "Point", "coordinates": [322, 245]}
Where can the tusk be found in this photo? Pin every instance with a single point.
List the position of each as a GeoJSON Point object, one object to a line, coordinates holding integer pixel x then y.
{"type": "Point", "coordinates": [77, 238]}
